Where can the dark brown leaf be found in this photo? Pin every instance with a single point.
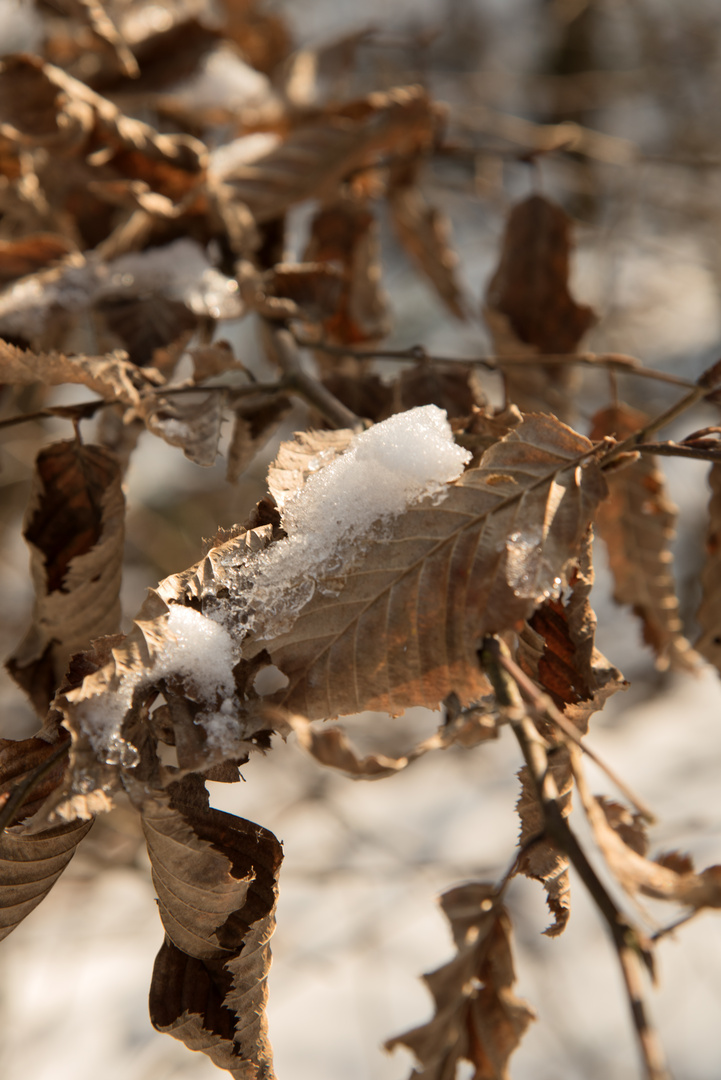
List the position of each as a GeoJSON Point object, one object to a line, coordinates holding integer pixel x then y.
{"type": "Point", "coordinates": [709, 612]}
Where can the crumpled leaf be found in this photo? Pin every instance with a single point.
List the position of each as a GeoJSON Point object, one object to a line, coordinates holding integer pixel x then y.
{"type": "Point", "coordinates": [216, 877]}
{"type": "Point", "coordinates": [255, 420]}
{"type": "Point", "coordinates": [477, 1016]}
{"type": "Point", "coordinates": [30, 864]}
{"type": "Point", "coordinates": [637, 524]}
{"type": "Point", "coordinates": [74, 526]}
{"type": "Point", "coordinates": [556, 648]}
{"type": "Point", "coordinates": [529, 309]}
{"type": "Point", "coordinates": [708, 615]}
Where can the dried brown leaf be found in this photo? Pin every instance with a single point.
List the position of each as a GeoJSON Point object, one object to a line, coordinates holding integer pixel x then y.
{"type": "Point", "coordinates": [540, 858]}
{"type": "Point", "coordinates": [216, 877]}
{"type": "Point", "coordinates": [478, 1018]}
{"type": "Point", "coordinates": [622, 840]}
{"type": "Point", "coordinates": [404, 626]}
{"type": "Point", "coordinates": [637, 524]}
{"type": "Point", "coordinates": [27, 254]}
{"type": "Point", "coordinates": [256, 418]}
{"type": "Point", "coordinates": [344, 235]}
{"type": "Point", "coordinates": [528, 306]}
{"type": "Point", "coordinates": [184, 421]}
{"type": "Point", "coordinates": [113, 377]}
{"type": "Point", "coordinates": [74, 527]}
{"type": "Point", "coordinates": [709, 612]}
{"type": "Point", "coordinates": [30, 864]}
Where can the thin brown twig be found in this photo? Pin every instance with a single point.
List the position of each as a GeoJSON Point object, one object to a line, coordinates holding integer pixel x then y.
{"type": "Point", "coordinates": [617, 362]}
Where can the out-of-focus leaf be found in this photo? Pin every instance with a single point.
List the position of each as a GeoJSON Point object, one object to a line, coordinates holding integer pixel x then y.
{"type": "Point", "coordinates": [192, 425]}
{"type": "Point", "coordinates": [709, 612]}
{"type": "Point", "coordinates": [256, 418]}
{"type": "Point", "coordinates": [111, 376]}
{"type": "Point", "coordinates": [529, 309]}
{"type": "Point", "coordinates": [637, 524]}
{"type": "Point", "coordinates": [216, 877]}
{"type": "Point", "coordinates": [344, 234]}
{"type": "Point", "coordinates": [30, 253]}
{"type": "Point", "coordinates": [313, 158]}
{"type": "Point", "coordinates": [30, 864]}
{"type": "Point", "coordinates": [424, 232]}
{"type": "Point", "coordinates": [74, 527]}
{"type": "Point", "coordinates": [477, 1016]}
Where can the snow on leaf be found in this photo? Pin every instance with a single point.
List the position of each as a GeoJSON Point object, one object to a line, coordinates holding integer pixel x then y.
{"type": "Point", "coordinates": [637, 524]}
{"type": "Point", "coordinates": [74, 527]}
{"type": "Point", "coordinates": [709, 612]}
{"type": "Point", "coordinates": [477, 1018]}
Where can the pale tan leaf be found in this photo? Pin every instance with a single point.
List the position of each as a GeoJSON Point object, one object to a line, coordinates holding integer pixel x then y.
{"type": "Point", "coordinates": [113, 377]}
{"type": "Point", "coordinates": [74, 526]}
{"type": "Point", "coordinates": [637, 523]}
{"type": "Point", "coordinates": [216, 877]}
{"type": "Point", "coordinates": [313, 158]}
{"type": "Point", "coordinates": [709, 612]}
{"type": "Point", "coordinates": [299, 459]}
{"type": "Point", "coordinates": [477, 1016]}
{"type": "Point", "coordinates": [424, 232]}
{"type": "Point", "coordinates": [30, 864]}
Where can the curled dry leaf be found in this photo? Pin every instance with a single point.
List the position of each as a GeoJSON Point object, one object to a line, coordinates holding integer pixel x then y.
{"type": "Point", "coordinates": [255, 420]}
{"type": "Point", "coordinates": [74, 527]}
{"type": "Point", "coordinates": [637, 524]}
{"type": "Point", "coordinates": [529, 309]}
{"type": "Point", "coordinates": [478, 1018]}
{"type": "Point", "coordinates": [709, 612]}
{"type": "Point", "coordinates": [216, 877]}
{"type": "Point", "coordinates": [388, 617]}
{"type": "Point", "coordinates": [623, 843]}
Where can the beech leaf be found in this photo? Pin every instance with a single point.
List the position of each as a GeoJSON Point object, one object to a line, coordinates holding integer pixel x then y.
{"type": "Point", "coordinates": [637, 524]}
{"type": "Point", "coordinates": [478, 1018]}
{"type": "Point", "coordinates": [709, 612]}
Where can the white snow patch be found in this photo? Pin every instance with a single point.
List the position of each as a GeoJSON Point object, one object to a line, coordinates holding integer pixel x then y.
{"type": "Point", "coordinates": [384, 471]}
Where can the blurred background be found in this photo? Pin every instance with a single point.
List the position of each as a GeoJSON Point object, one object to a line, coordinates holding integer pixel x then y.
{"type": "Point", "coordinates": [637, 165]}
